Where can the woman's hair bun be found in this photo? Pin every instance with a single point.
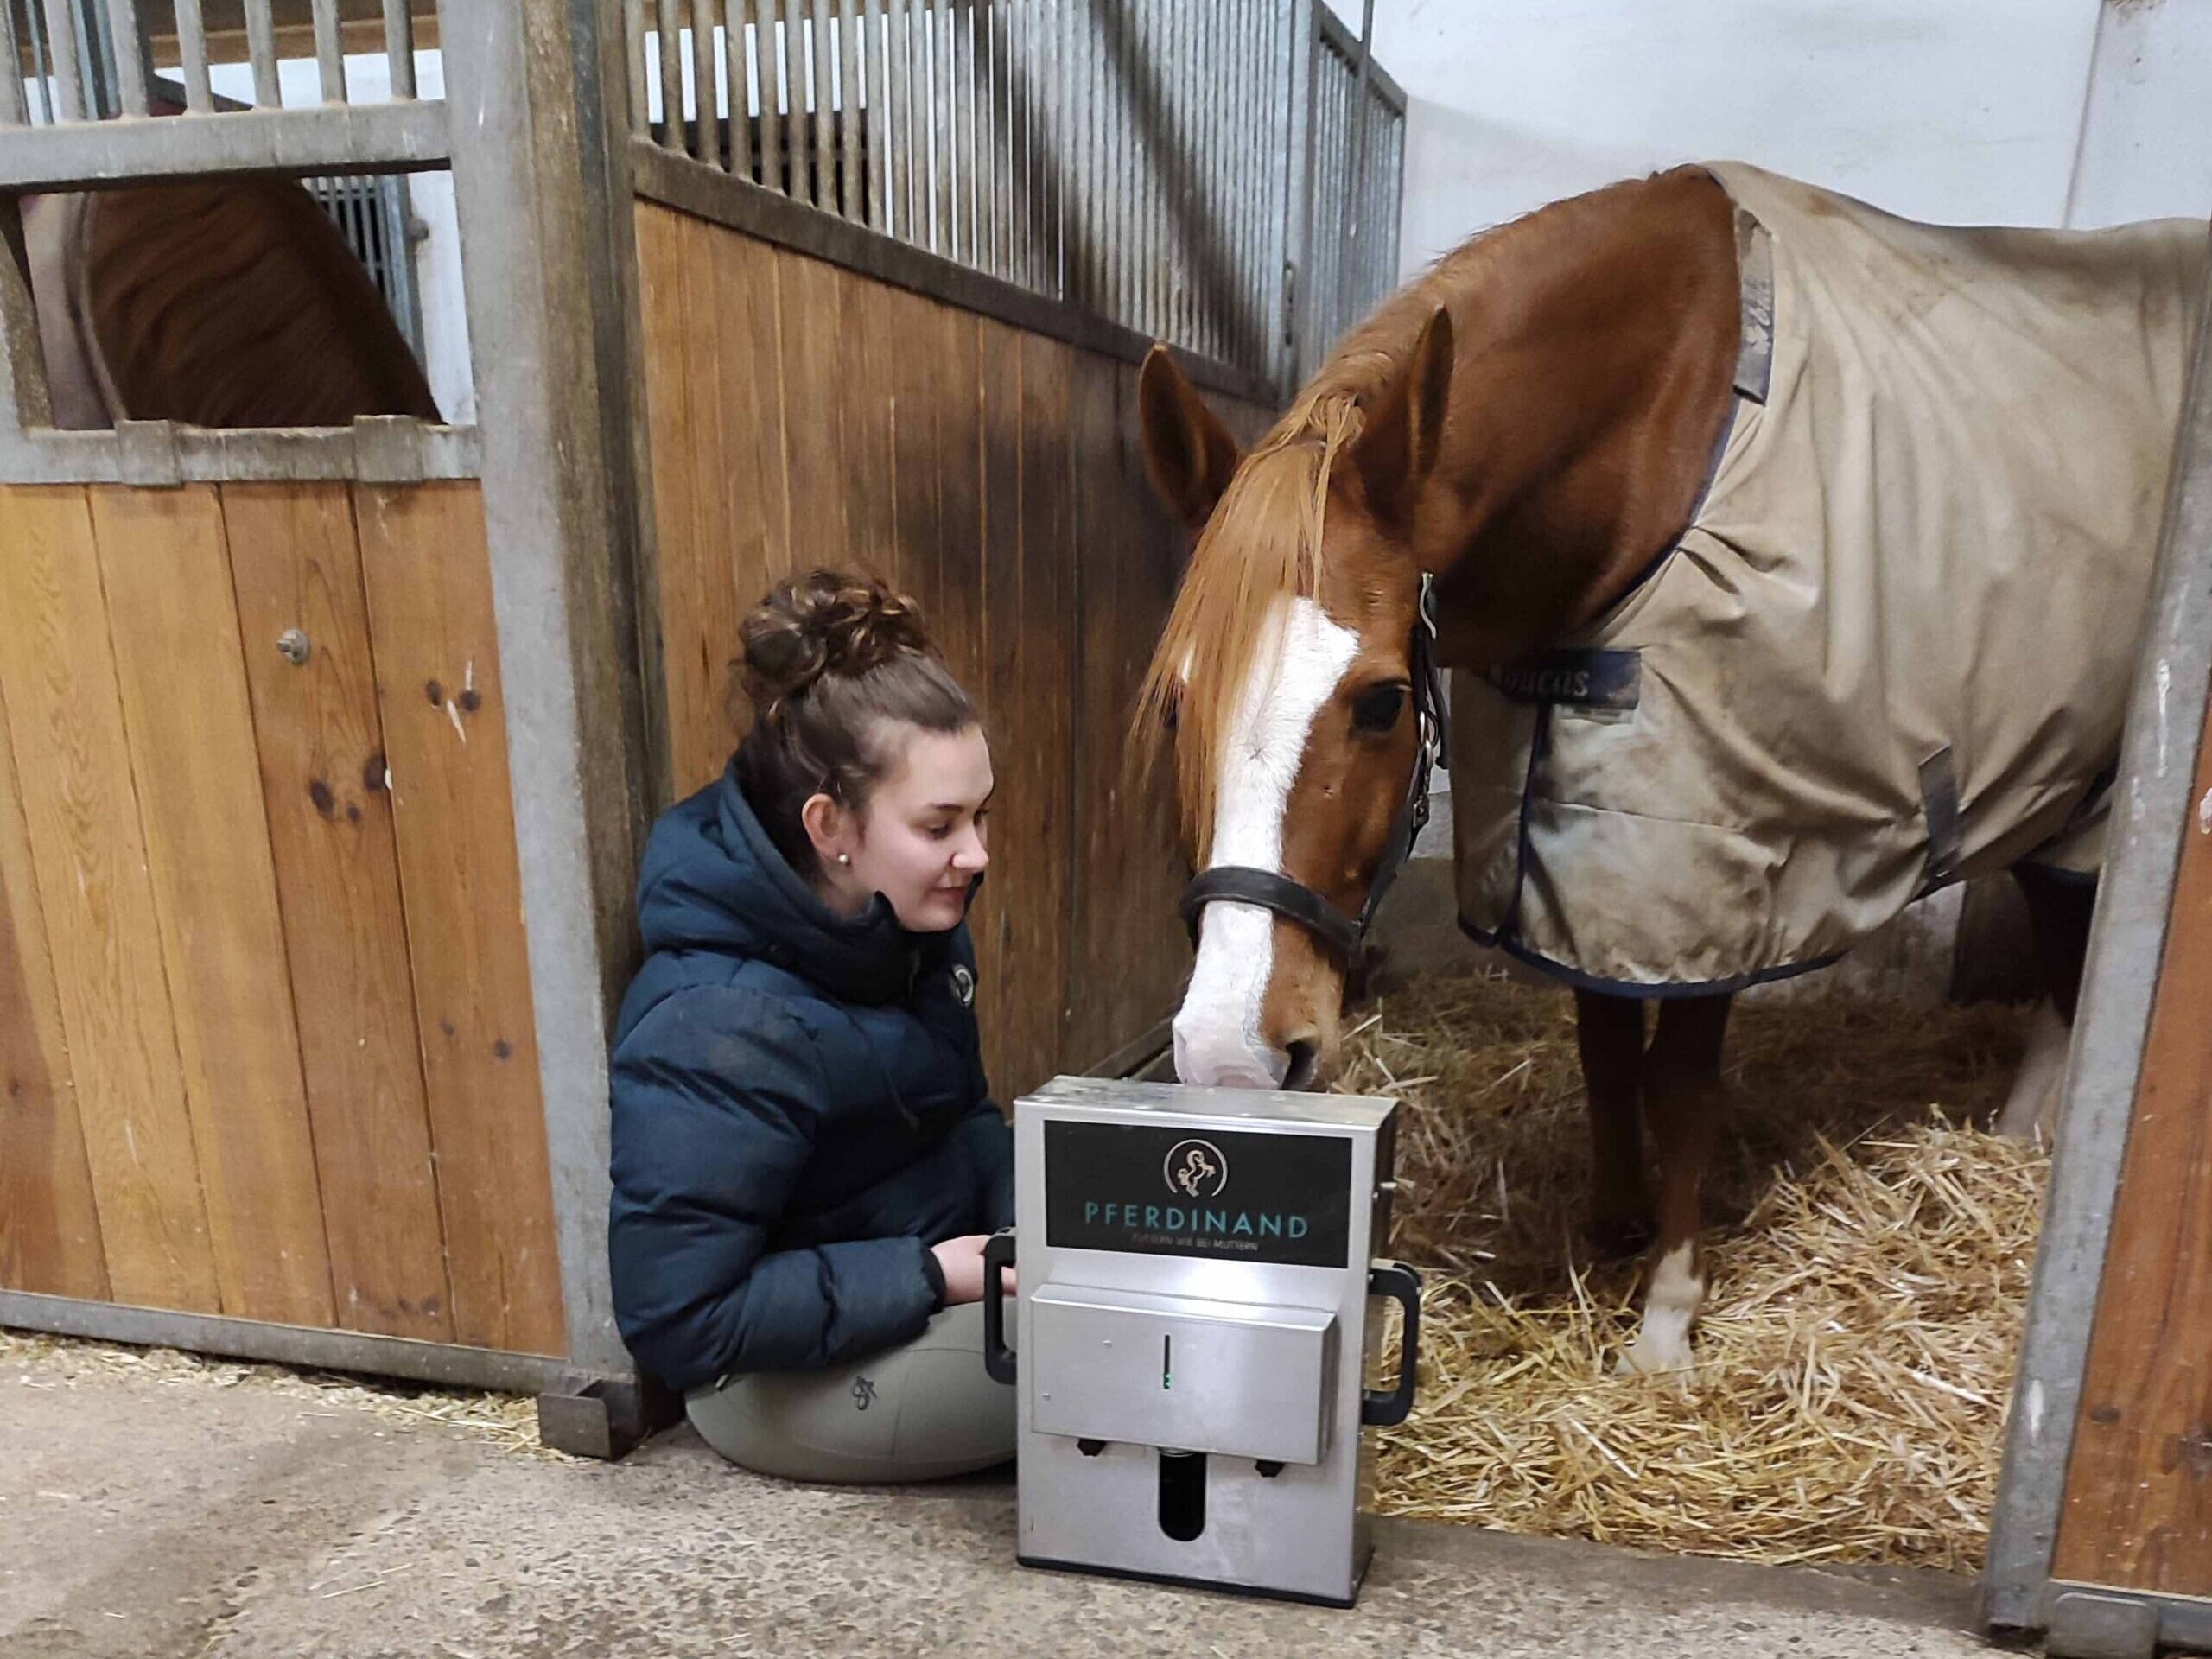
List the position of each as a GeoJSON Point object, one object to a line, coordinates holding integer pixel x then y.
{"type": "Point", "coordinates": [824, 622]}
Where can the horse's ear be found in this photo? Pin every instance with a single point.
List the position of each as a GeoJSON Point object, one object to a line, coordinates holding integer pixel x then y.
{"type": "Point", "coordinates": [1188, 453]}
{"type": "Point", "coordinates": [1398, 441]}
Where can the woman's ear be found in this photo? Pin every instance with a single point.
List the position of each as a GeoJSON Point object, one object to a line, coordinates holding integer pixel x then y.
{"type": "Point", "coordinates": [829, 827]}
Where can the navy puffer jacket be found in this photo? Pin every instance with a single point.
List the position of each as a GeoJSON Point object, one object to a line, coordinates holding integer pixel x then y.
{"type": "Point", "coordinates": [799, 1112]}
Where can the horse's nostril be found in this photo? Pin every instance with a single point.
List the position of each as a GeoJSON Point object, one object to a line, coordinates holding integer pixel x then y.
{"type": "Point", "coordinates": [1300, 1074]}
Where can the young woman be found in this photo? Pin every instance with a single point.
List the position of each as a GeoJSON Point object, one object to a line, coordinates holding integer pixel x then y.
{"type": "Point", "coordinates": [806, 1161]}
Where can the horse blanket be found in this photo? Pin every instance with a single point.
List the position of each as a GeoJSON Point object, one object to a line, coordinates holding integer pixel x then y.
{"type": "Point", "coordinates": [1895, 646]}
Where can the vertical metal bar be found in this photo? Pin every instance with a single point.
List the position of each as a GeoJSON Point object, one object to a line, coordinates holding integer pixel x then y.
{"type": "Point", "coordinates": [738, 80]}
{"type": "Point", "coordinates": [1011, 19]}
{"type": "Point", "coordinates": [669, 41]}
{"type": "Point", "coordinates": [821, 61]}
{"type": "Point", "coordinates": [971, 159]}
{"type": "Point", "coordinates": [940, 67]}
{"type": "Point", "coordinates": [633, 30]}
{"type": "Point", "coordinates": [848, 111]}
{"type": "Point", "coordinates": [1255, 151]}
{"type": "Point", "coordinates": [68, 74]}
{"type": "Point", "coordinates": [1211, 147]}
{"type": "Point", "coordinates": [1357, 176]}
{"type": "Point", "coordinates": [329, 52]}
{"type": "Point", "coordinates": [874, 59]}
{"type": "Point", "coordinates": [1063, 131]}
{"type": "Point", "coordinates": [989, 130]}
{"type": "Point", "coordinates": [1181, 106]}
{"type": "Point", "coordinates": [130, 55]}
{"type": "Point", "coordinates": [1082, 105]}
{"type": "Point", "coordinates": [898, 171]}
{"type": "Point", "coordinates": [765, 59]}
{"type": "Point", "coordinates": [793, 55]}
{"type": "Point", "coordinates": [911, 199]}
{"type": "Point", "coordinates": [907, 184]}
{"type": "Point", "coordinates": [399, 47]}
{"type": "Point", "coordinates": [14, 111]}
{"type": "Point", "coordinates": [1116, 199]}
{"type": "Point", "coordinates": [1144, 157]}
{"type": "Point", "coordinates": [260, 48]}
{"type": "Point", "coordinates": [705, 103]}
{"type": "Point", "coordinates": [42, 69]}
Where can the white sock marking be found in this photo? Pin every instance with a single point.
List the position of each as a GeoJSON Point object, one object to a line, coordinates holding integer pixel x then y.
{"type": "Point", "coordinates": [1670, 1307]}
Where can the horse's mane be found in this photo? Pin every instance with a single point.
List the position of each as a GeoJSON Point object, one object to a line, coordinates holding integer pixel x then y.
{"type": "Point", "coordinates": [1262, 547]}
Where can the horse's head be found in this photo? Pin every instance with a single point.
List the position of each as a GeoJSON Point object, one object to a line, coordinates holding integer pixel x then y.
{"type": "Point", "coordinates": [1286, 675]}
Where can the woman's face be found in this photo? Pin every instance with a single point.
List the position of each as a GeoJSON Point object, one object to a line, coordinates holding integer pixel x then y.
{"type": "Point", "coordinates": [922, 839]}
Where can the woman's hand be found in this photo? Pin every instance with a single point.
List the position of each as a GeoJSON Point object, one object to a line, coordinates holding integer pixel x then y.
{"type": "Point", "coordinates": [962, 1259]}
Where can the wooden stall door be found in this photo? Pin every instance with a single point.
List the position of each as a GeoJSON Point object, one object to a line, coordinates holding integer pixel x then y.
{"type": "Point", "coordinates": [265, 1025]}
{"type": "Point", "coordinates": [2138, 1489]}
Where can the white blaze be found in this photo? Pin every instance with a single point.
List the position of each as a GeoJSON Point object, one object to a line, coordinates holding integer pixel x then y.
{"type": "Point", "coordinates": [1218, 1038]}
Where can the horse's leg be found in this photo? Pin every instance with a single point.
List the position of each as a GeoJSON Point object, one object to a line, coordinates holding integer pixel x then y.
{"type": "Point", "coordinates": [1609, 1030]}
{"type": "Point", "coordinates": [2058, 922]}
{"type": "Point", "coordinates": [1681, 1102]}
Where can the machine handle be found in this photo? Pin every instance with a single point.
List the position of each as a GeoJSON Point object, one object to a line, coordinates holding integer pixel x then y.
{"type": "Point", "coordinates": [998, 1254]}
{"type": "Point", "coordinates": [1402, 1285]}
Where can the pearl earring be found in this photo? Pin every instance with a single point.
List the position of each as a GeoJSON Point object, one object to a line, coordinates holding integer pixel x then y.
{"type": "Point", "coordinates": [844, 858]}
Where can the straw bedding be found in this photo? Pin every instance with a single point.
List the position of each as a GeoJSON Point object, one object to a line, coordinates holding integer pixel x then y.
{"type": "Point", "coordinates": [1869, 1258]}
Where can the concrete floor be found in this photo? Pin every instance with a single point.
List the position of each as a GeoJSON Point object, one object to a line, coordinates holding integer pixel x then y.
{"type": "Point", "coordinates": [139, 1518]}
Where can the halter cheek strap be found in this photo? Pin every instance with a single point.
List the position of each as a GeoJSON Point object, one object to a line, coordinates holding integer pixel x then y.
{"type": "Point", "coordinates": [1295, 901]}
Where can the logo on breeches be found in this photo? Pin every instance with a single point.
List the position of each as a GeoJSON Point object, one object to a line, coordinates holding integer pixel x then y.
{"type": "Point", "coordinates": [863, 1393]}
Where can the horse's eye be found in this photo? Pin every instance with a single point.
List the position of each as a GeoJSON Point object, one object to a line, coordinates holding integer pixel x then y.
{"type": "Point", "coordinates": [1378, 707]}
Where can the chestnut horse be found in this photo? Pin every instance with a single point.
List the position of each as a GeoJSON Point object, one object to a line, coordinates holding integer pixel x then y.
{"type": "Point", "coordinates": [230, 302]}
{"type": "Point", "coordinates": [1530, 430]}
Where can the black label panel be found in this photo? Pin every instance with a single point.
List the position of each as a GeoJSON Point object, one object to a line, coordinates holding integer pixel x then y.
{"type": "Point", "coordinates": [1163, 1191]}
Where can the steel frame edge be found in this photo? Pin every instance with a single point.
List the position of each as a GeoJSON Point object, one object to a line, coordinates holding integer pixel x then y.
{"type": "Point", "coordinates": [2158, 773]}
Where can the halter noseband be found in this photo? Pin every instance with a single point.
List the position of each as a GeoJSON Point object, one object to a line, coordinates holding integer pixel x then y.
{"type": "Point", "coordinates": [1295, 901]}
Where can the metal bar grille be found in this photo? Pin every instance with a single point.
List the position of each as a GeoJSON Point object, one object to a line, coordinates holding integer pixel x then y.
{"type": "Point", "coordinates": [1215, 173]}
{"type": "Point", "coordinates": [88, 64]}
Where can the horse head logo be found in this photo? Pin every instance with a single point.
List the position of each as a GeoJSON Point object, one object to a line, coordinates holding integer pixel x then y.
{"type": "Point", "coordinates": [1195, 1169]}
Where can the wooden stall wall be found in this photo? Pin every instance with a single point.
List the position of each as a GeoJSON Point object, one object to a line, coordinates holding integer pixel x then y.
{"type": "Point", "coordinates": [266, 1040]}
{"type": "Point", "coordinates": [804, 415]}
{"type": "Point", "coordinates": [2138, 1489]}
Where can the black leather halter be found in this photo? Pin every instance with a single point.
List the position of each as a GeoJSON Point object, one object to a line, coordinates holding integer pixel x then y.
{"type": "Point", "coordinates": [1296, 902]}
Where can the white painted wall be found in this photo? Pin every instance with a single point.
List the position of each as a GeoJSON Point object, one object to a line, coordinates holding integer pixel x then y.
{"type": "Point", "coordinates": [2026, 111]}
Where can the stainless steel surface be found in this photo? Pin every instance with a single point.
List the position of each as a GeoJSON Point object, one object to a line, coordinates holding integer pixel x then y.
{"type": "Point", "coordinates": [1299, 1530]}
{"type": "Point", "coordinates": [2165, 722]}
{"type": "Point", "coordinates": [1235, 1379]}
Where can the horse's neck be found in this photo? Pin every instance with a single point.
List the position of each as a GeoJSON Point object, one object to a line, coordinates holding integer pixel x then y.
{"type": "Point", "coordinates": [1593, 375]}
